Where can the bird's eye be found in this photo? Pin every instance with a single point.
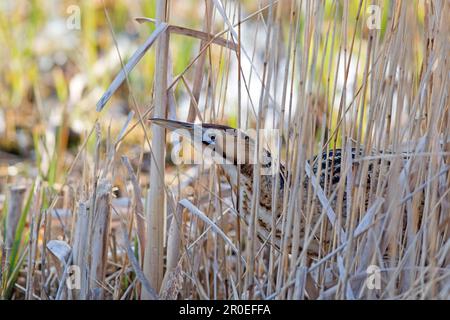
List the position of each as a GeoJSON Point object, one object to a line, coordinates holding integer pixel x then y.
{"type": "Point", "coordinates": [213, 137]}
{"type": "Point", "coordinates": [247, 138]}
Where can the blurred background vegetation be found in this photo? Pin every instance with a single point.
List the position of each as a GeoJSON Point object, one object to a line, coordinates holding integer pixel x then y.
{"type": "Point", "coordinates": [52, 75]}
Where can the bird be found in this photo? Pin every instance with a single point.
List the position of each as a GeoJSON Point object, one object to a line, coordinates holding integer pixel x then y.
{"type": "Point", "coordinates": [235, 150]}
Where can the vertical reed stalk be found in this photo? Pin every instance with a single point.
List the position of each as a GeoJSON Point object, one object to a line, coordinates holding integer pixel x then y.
{"type": "Point", "coordinates": [80, 246]}
{"type": "Point", "coordinates": [155, 206]}
{"type": "Point", "coordinates": [99, 239]}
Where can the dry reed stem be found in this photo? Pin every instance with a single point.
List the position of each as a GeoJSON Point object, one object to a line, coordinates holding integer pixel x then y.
{"type": "Point", "coordinates": [80, 249]}
{"type": "Point", "coordinates": [138, 207]}
{"type": "Point", "coordinates": [155, 210]}
{"type": "Point", "coordinates": [173, 285]}
{"type": "Point", "coordinates": [99, 238]}
{"type": "Point", "coordinates": [173, 244]}
{"type": "Point", "coordinates": [15, 203]}
{"type": "Point", "coordinates": [148, 289]}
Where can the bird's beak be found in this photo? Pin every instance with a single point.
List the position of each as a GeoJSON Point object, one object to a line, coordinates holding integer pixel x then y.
{"type": "Point", "coordinates": [173, 124]}
{"type": "Point", "coordinates": [192, 131]}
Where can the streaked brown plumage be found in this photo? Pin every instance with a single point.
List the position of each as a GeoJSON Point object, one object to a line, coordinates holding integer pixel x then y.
{"type": "Point", "coordinates": [327, 166]}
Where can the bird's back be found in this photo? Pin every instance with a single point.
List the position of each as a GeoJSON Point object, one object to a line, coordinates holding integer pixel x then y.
{"type": "Point", "coordinates": [329, 170]}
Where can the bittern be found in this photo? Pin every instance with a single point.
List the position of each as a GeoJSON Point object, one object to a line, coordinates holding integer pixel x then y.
{"type": "Point", "coordinates": [237, 150]}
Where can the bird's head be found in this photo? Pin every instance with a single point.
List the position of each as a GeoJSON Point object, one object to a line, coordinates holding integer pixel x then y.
{"type": "Point", "coordinates": [226, 144]}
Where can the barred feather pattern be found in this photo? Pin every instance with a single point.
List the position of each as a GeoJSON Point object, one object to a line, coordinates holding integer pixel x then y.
{"type": "Point", "coordinates": [329, 167]}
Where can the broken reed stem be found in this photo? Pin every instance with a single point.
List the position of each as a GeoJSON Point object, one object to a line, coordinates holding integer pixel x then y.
{"type": "Point", "coordinates": [155, 206]}
{"type": "Point", "coordinates": [79, 246]}
{"type": "Point", "coordinates": [61, 255]}
{"type": "Point", "coordinates": [99, 239]}
{"type": "Point", "coordinates": [151, 293]}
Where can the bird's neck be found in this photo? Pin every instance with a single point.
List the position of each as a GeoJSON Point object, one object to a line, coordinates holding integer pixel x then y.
{"type": "Point", "coordinates": [246, 177]}
{"type": "Point", "coordinates": [246, 172]}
